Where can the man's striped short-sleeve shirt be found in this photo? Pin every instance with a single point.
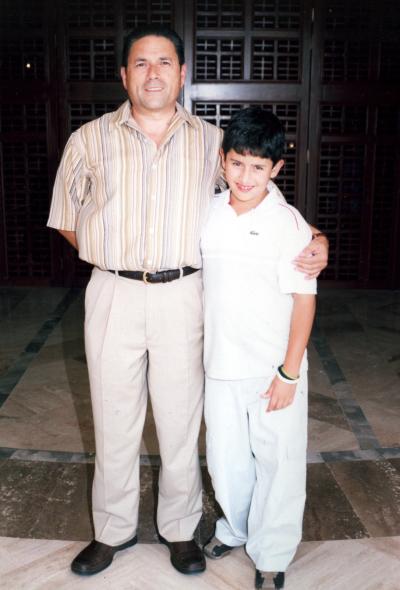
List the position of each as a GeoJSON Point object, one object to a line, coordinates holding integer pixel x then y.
{"type": "Point", "coordinates": [135, 206]}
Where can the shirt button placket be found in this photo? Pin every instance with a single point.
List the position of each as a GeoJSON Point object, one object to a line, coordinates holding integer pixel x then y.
{"type": "Point", "coordinates": [149, 261]}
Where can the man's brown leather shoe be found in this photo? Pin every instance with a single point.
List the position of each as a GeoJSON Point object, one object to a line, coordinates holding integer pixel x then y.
{"type": "Point", "coordinates": [186, 556]}
{"type": "Point", "coordinates": [96, 557]}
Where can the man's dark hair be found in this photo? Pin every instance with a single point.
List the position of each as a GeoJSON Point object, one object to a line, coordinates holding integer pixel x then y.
{"type": "Point", "coordinates": [255, 131]}
{"type": "Point", "coordinates": [158, 31]}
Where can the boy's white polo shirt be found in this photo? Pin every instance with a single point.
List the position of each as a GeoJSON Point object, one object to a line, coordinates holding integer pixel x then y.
{"type": "Point", "coordinates": [248, 277]}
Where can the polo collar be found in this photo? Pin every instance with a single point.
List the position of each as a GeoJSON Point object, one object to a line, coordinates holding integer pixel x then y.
{"type": "Point", "coordinates": [274, 196]}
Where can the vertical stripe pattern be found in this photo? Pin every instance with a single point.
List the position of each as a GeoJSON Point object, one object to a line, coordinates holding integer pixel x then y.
{"type": "Point", "coordinates": [135, 206]}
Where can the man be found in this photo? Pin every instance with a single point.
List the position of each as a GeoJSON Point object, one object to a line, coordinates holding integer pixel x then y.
{"type": "Point", "coordinates": [130, 195]}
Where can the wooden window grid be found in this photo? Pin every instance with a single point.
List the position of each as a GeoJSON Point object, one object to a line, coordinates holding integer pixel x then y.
{"type": "Point", "coordinates": [219, 59]}
{"type": "Point", "coordinates": [83, 112]}
{"type": "Point", "coordinates": [25, 178]}
{"type": "Point", "coordinates": [90, 13]}
{"type": "Point", "coordinates": [140, 12]}
{"type": "Point", "coordinates": [219, 114]}
{"type": "Point", "coordinates": [220, 14]}
{"type": "Point", "coordinates": [383, 207]}
{"type": "Point", "coordinates": [338, 119]}
{"type": "Point", "coordinates": [92, 59]}
{"type": "Point", "coordinates": [20, 15]}
{"type": "Point", "coordinates": [23, 117]}
{"type": "Point", "coordinates": [276, 59]}
{"type": "Point", "coordinates": [23, 58]}
{"type": "Point", "coordinates": [276, 14]}
{"type": "Point", "coordinates": [239, 53]}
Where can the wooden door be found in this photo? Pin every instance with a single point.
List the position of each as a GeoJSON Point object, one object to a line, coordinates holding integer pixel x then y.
{"type": "Point", "coordinates": [328, 68]}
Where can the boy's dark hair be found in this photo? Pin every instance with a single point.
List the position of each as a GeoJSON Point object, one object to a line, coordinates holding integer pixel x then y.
{"type": "Point", "coordinates": [255, 131]}
{"type": "Point", "coordinates": [158, 31]}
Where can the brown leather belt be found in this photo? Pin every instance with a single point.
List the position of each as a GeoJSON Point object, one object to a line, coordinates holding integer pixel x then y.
{"type": "Point", "coordinates": [161, 276]}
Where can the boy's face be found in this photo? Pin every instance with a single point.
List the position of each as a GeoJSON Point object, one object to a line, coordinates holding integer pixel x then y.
{"type": "Point", "coordinates": [247, 177]}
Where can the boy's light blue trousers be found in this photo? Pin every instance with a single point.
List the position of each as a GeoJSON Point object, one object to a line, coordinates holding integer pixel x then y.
{"type": "Point", "coordinates": [257, 462]}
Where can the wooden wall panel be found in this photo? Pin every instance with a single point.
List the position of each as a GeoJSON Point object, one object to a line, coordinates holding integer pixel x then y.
{"type": "Point", "coordinates": [328, 68]}
{"type": "Point", "coordinates": [354, 137]}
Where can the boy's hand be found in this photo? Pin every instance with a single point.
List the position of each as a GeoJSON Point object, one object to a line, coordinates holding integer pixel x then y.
{"type": "Point", "coordinates": [314, 258]}
{"type": "Point", "coordinates": [280, 395]}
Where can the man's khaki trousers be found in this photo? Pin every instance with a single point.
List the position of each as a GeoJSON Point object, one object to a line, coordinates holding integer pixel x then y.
{"type": "Point", "coordinates": [145, 338]}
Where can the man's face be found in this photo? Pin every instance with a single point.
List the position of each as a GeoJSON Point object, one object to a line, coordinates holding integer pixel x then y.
{"type": "Point", "coordinates": [153, 77]}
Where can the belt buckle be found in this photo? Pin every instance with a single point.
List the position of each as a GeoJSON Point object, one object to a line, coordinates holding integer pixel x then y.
{"type": "Point", "coordinates": [145, 279]}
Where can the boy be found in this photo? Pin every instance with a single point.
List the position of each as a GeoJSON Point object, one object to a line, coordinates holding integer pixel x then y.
{"type": "Point", "coordinates": [258, 317]}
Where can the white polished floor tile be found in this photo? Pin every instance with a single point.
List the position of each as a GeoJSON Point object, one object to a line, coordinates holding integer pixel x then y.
{"type": "Point", "coordinates": [365, 564]}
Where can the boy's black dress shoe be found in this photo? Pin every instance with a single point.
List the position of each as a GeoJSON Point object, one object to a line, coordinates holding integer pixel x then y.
{"type": "Point", "coordinates": [96, 557]}
{"type": "Point", "coordinates": [186, 556]}
{"type": "Point", "coordinates": [269, 580]}
{"type": "Point", "coordinates": [215, 549]}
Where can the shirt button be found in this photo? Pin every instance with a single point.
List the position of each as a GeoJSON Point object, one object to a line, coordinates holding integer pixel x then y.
{"type": "Point", "coordinates": [153, 197]}
{"type": "Point", "coordinates": [149, 261]}
{"type": "Point", "coordinates": [151, 231]}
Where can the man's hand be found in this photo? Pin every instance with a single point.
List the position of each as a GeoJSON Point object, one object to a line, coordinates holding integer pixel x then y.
{"type": "Point", "coordinates": [280, 395]}
{"type": "Point", "coordinates": [314, 258]}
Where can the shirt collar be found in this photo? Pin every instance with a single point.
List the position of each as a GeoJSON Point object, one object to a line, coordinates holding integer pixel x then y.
{"type": "Point", "coordinates": [185, 115]}
{"type": "Point", "coordinates": [123, 115]}
{"type": "Point", "coordinates": [274, 196]}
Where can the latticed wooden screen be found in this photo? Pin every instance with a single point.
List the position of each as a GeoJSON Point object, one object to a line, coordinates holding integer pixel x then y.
{"type": "Point", "coordinates": [220, 113]}
{"type": "Point", "coordinates": [24, 66]}
{"type": "Point", "coordinates": [354, 132]}
{"type": "Point", "coordinates": [25, 181]}
{"type": "Point", "coordinates": [238, 40]}
{"type": "Point", "coordinates": [329, 69]}
{"type": "Point", "coordinates": [247, 53]}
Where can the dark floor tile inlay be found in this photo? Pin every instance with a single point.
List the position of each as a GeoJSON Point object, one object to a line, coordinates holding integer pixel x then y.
{"type": "Point", "coordinates": [52, 501]}
{"type": "Point", "coordinates": [393, 307]}
{"type": "Point", "coordinates": [394, 358]}
{"type": "Point", "coordinates": [16, 371]}
{"type": "Point", "coordinates": [44, 500]}
{"type": "Point", "coordinates": [328, 515]}
{"type": "Point", "coordinates": [389, 329]}
{"type": "Point", "coordinates": [326, 409]}
{"type": "Point", "coordinates": [395, 463]}
{"type": "Point", "coordinates": [13, 454]}
{"type": "Point", "coordinates": [354, 414]}
{"type": "Point", "coordinates": [372, 488]}
{"type": "Point", "coordinates": [10, 298]}
{"type": "Point", "coordinates": [6, 453]}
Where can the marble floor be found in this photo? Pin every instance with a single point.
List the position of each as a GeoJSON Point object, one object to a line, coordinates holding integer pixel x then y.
{"type": "Point", "coordinates": [362, 564]}
{"type": "Point", "coordinates": [352, 520]}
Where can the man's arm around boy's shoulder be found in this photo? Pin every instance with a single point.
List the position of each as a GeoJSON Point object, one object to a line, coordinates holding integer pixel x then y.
{"type": "Point", "coordinates": [314, 258]}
